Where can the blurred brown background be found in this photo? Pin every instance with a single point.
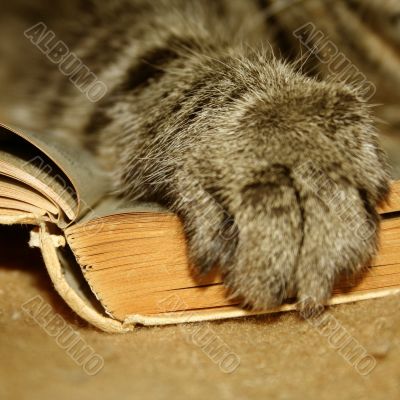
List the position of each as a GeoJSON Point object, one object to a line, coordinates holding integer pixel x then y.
{"type": "Point", "coordinates": [281, 356]}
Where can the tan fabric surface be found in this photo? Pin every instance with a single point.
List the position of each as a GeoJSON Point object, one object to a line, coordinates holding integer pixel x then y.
{"type": "Point", "coordinates": [281, 356]}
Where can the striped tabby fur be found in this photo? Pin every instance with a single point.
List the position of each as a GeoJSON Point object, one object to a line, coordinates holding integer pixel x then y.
{"type": "Point", "coordinates": [214, 108]}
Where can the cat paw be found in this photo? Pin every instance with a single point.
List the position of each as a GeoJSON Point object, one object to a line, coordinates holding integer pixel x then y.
{"type": "Point", "coordinates": [292, 206]}
{"type": "Point", "coordinates": [290, 236]}
{"type": "Point", "coordinates": [276, 178]}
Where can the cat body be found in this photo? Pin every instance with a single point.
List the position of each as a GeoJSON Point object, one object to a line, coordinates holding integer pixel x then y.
{"type": "Point", "coordinates": [273, 165]}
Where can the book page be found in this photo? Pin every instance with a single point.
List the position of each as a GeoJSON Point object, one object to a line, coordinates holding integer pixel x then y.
{"type": "Point", "coordinates": [73, 172]}
{"type": "Point", "coordinates": [134, 258]}
{"type": "Point", "coordinates": [17, 190]}
{"type": "Point", "coordinates": [113, 205]}
{"type": "Point", "coordinates": [30, 171]}
{"type": "Point", "coordinates": [136, 264]}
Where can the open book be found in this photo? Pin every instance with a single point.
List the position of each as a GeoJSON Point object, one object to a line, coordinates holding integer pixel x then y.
{"type": "Point", "coordinates": [118, 265]}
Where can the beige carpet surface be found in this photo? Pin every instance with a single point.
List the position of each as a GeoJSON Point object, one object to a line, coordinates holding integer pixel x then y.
{"type": "Point", "coordinates": [277, 357]}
